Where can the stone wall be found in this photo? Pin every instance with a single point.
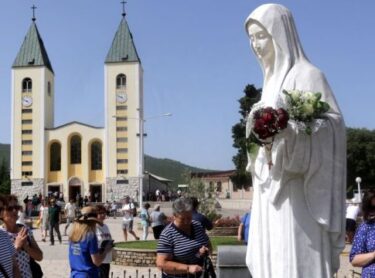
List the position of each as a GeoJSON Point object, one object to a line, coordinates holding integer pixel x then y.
{"type": "Point", "coordinates": [22, 191]}
{"type": "Point", "coordinates": [140, 258]}
{"type": "Point", "coordinates": [117, 192]}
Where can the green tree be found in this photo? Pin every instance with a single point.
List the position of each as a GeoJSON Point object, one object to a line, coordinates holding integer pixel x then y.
{"type": "Point", "coordinates": [4, 178]}
{"type": "Point", "coordinates": [205, 195]}
{"type": "Point", "coordinates": [360, 157]}
{"type": "Point", "coordinates": [242, 178]}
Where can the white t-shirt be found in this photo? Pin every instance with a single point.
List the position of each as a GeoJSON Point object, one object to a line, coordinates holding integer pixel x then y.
{"type": "Point", "coordinates": [127, 209]}
{"type": "Point", "coordinates": [71, 210]}
{"type": "Point", "coordinates": [102, 233]}
{"type": "Point", "coordinates": [352, 211]}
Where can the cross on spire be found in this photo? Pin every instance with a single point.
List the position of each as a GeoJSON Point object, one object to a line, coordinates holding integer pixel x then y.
{"type": "Point", "coordinates": [33, 8]}
{"type": "Point", "coordinates": [123, 8]}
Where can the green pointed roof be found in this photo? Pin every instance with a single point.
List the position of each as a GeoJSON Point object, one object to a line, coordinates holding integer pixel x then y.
{"type": "Point", "coordinates": [32, 52]}
{"type": "Point", "coordinates": [123, 48]}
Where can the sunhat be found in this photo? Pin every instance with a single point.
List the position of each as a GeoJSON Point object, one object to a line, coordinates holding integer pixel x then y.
{"type": "Point", "coordinates": [88, 214]}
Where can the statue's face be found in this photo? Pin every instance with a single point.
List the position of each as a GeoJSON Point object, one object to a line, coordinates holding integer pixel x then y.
{"type": "Point", "coordinates": [261, 42]}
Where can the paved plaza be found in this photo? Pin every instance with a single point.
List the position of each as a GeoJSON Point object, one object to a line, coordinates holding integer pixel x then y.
{"type": "Point", "coordinates": [56, 263]}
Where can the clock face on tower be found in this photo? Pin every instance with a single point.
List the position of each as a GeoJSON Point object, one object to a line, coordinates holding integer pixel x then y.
{"type": "Point", "coordinates": [27, 101]}
{"type": "Point", "coordinates": [121, 97]}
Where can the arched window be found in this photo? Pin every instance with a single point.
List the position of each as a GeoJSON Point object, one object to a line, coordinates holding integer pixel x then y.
{"type": "Point", "coordinates": [27, 85]}
{"type": "Point", "coordinates": [55, 157]}
{"type": "Point", "coordinates": [96, 156]}
{"type": "Point", "coordinates": [121, 81]}
{"type": "Point", "coordinates": [75, 150]}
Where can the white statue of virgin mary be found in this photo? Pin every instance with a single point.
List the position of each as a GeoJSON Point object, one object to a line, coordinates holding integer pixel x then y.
{"type": "Point", "coordinates": [298, 214]}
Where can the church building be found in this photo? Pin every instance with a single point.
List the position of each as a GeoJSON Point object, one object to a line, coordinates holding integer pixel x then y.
{"type": "Point", "coordinates": [77, 158]}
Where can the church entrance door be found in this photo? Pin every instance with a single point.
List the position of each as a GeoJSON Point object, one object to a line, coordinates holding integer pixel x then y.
{"type": "Point", "coordinates": [74, 188]}
{"type": "Point", "coordinates": [96, 192]}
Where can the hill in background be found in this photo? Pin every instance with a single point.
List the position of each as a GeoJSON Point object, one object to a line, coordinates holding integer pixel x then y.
{"type": "Point", "coordinates": [166, 168]}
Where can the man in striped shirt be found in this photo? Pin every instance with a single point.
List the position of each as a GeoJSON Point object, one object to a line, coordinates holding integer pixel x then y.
{"type": "Point", "coordinates": [183, 244]}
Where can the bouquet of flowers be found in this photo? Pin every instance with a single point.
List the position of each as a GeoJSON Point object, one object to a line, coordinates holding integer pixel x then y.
{"type": "Point", "coordinates": [306, 109]}
{"type": "Point", "coordinates": [265, 123]}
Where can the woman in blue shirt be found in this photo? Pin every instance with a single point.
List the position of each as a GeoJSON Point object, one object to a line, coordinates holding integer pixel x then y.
{"type": "Point", "coordinates": [84, 255]}
{"type": "Point", "coordinates": [363, 249]}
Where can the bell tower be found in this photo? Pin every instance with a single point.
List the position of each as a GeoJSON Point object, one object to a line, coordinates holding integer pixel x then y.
{"type": "Point", "coordinates": [123, 76]}
{"type": "Point", "coordinates": [32, 112]}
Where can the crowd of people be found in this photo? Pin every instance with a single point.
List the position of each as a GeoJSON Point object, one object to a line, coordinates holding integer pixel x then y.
{"type": "Point", "coordinates": [183, 243]}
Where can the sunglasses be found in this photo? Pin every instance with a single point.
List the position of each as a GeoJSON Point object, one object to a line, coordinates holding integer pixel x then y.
{"type": "Point", "coordinates": [11, 208]}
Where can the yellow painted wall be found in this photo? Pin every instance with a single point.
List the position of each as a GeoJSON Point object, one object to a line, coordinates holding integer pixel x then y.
{"type": "Point", "coordinates": [134, 76]}
{"type": "Point", "coordinates": [42, 116]}
{"type": "Point", "coordinates": [81, 171]}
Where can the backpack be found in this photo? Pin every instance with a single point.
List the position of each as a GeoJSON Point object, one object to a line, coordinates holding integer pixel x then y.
{"type": "Point", "coordinates": [134, 210]}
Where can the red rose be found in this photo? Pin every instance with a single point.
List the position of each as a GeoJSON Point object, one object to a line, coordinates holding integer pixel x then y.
{"type": "Point", "coordinates": [268, 114]}
{"type": "Point", "coordinates": [282, 118]}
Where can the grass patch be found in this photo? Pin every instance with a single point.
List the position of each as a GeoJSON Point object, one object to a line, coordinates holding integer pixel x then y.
{"type": "Point", "coordinates": [151, 244]}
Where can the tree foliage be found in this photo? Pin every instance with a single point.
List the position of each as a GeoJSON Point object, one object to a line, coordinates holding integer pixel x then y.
{"type": "Point", "coordinates": [4, 178]}
{"type": "Point", "coordinates": [242, 178]}
{"type": "Point", "coordinates": [205, 194]}
{"type": "Point", "coordinates": [360, 157]}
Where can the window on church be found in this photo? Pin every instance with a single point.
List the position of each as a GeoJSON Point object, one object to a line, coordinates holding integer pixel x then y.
{"type": "Point", "coordinates": [219, 186]}
{"type": "Point", "coordinates": [75, 150]}
{"type": "Point", "coordinates": [122, 139]}
{"type": "Point", "coordinates": [27, 131]}
{"type": "Point", "coordinates": [25, 122]}
{"type": "Point", "coordinates": [121, 81]}
{"type": "Point", "coordinates": [122, 128]}
{"type": "Point", "coordinates": [27, 183]}
{"type": "Point", "coordinates": [27, 163]}
{"type": "Point", "coordinates": [27, 85]}
{"type": "Point", "coordinates": [122, 181]}
{"type": "Point", "coordinates": [119, 172]}
{"type": "Point", "coordinates": [27, 152]}
{"type": "Point", "coordinates": [122, 150]}
{"type": "Point", "coordinates": [121, 107]}
{"type": "Point", "coordinates": [55, 157]}
{"type": "Point", "coordinates": [96, 156]}
{"type": "Point", "coordinates": [121, 119]}
{"type": "Point", "coordinates": [27, 111]}
{"type": "Point", "coordinates": [49, 90]}
{"type": "Point", "coordinates": [27, 173]}
{"type": "Point", "coordinates": [122, 161]}
{"type": "Point", "coordinates": [27, 142]}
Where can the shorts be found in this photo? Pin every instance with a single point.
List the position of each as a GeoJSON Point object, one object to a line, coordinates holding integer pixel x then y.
{"type": "Point", "coordinates": [351, 225]}
{"type": "Point", "coordinates": [127, 225]}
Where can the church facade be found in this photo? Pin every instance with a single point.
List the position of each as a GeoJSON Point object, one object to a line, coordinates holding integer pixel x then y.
{"type": "Point", "coordinates": [76, 158]}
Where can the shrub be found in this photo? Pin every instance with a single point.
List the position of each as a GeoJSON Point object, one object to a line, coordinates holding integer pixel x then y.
{"type": "Point", "coordinates": [228, 221]}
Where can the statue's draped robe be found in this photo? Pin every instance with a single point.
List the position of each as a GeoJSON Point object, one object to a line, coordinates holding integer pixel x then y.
{"type": "Point", "coordinates": [297, 224]}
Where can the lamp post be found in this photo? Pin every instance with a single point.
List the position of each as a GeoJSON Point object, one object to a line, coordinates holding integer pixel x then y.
{"type": "Point", "coordinates": [358, 180]}
{"type": "Point", "coordinates": [141, 151]}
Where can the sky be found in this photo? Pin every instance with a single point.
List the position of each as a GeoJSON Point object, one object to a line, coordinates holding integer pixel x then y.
{"type": "Point", "coordinates": [196, 59]}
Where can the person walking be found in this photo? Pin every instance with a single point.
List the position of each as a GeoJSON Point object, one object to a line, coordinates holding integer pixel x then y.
{"type": "Point", "coordinates": [127, 220]}
{"type": "Point", "coordinates": [158, 219]}
{"type": "Point", "coordinates": [70, 212]}
{"type": "Point", "coordinates": [43, 218]}
{"type": "Point", "coordinates": [54, 221]}
{"type": "Point", "coordinates": [103, 235]}
{"type": "Point", "coordinates": [145, 220]}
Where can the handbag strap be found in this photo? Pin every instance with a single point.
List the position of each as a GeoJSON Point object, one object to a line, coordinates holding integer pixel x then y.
{"type": "Point", "coordinates": [2, 270]}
